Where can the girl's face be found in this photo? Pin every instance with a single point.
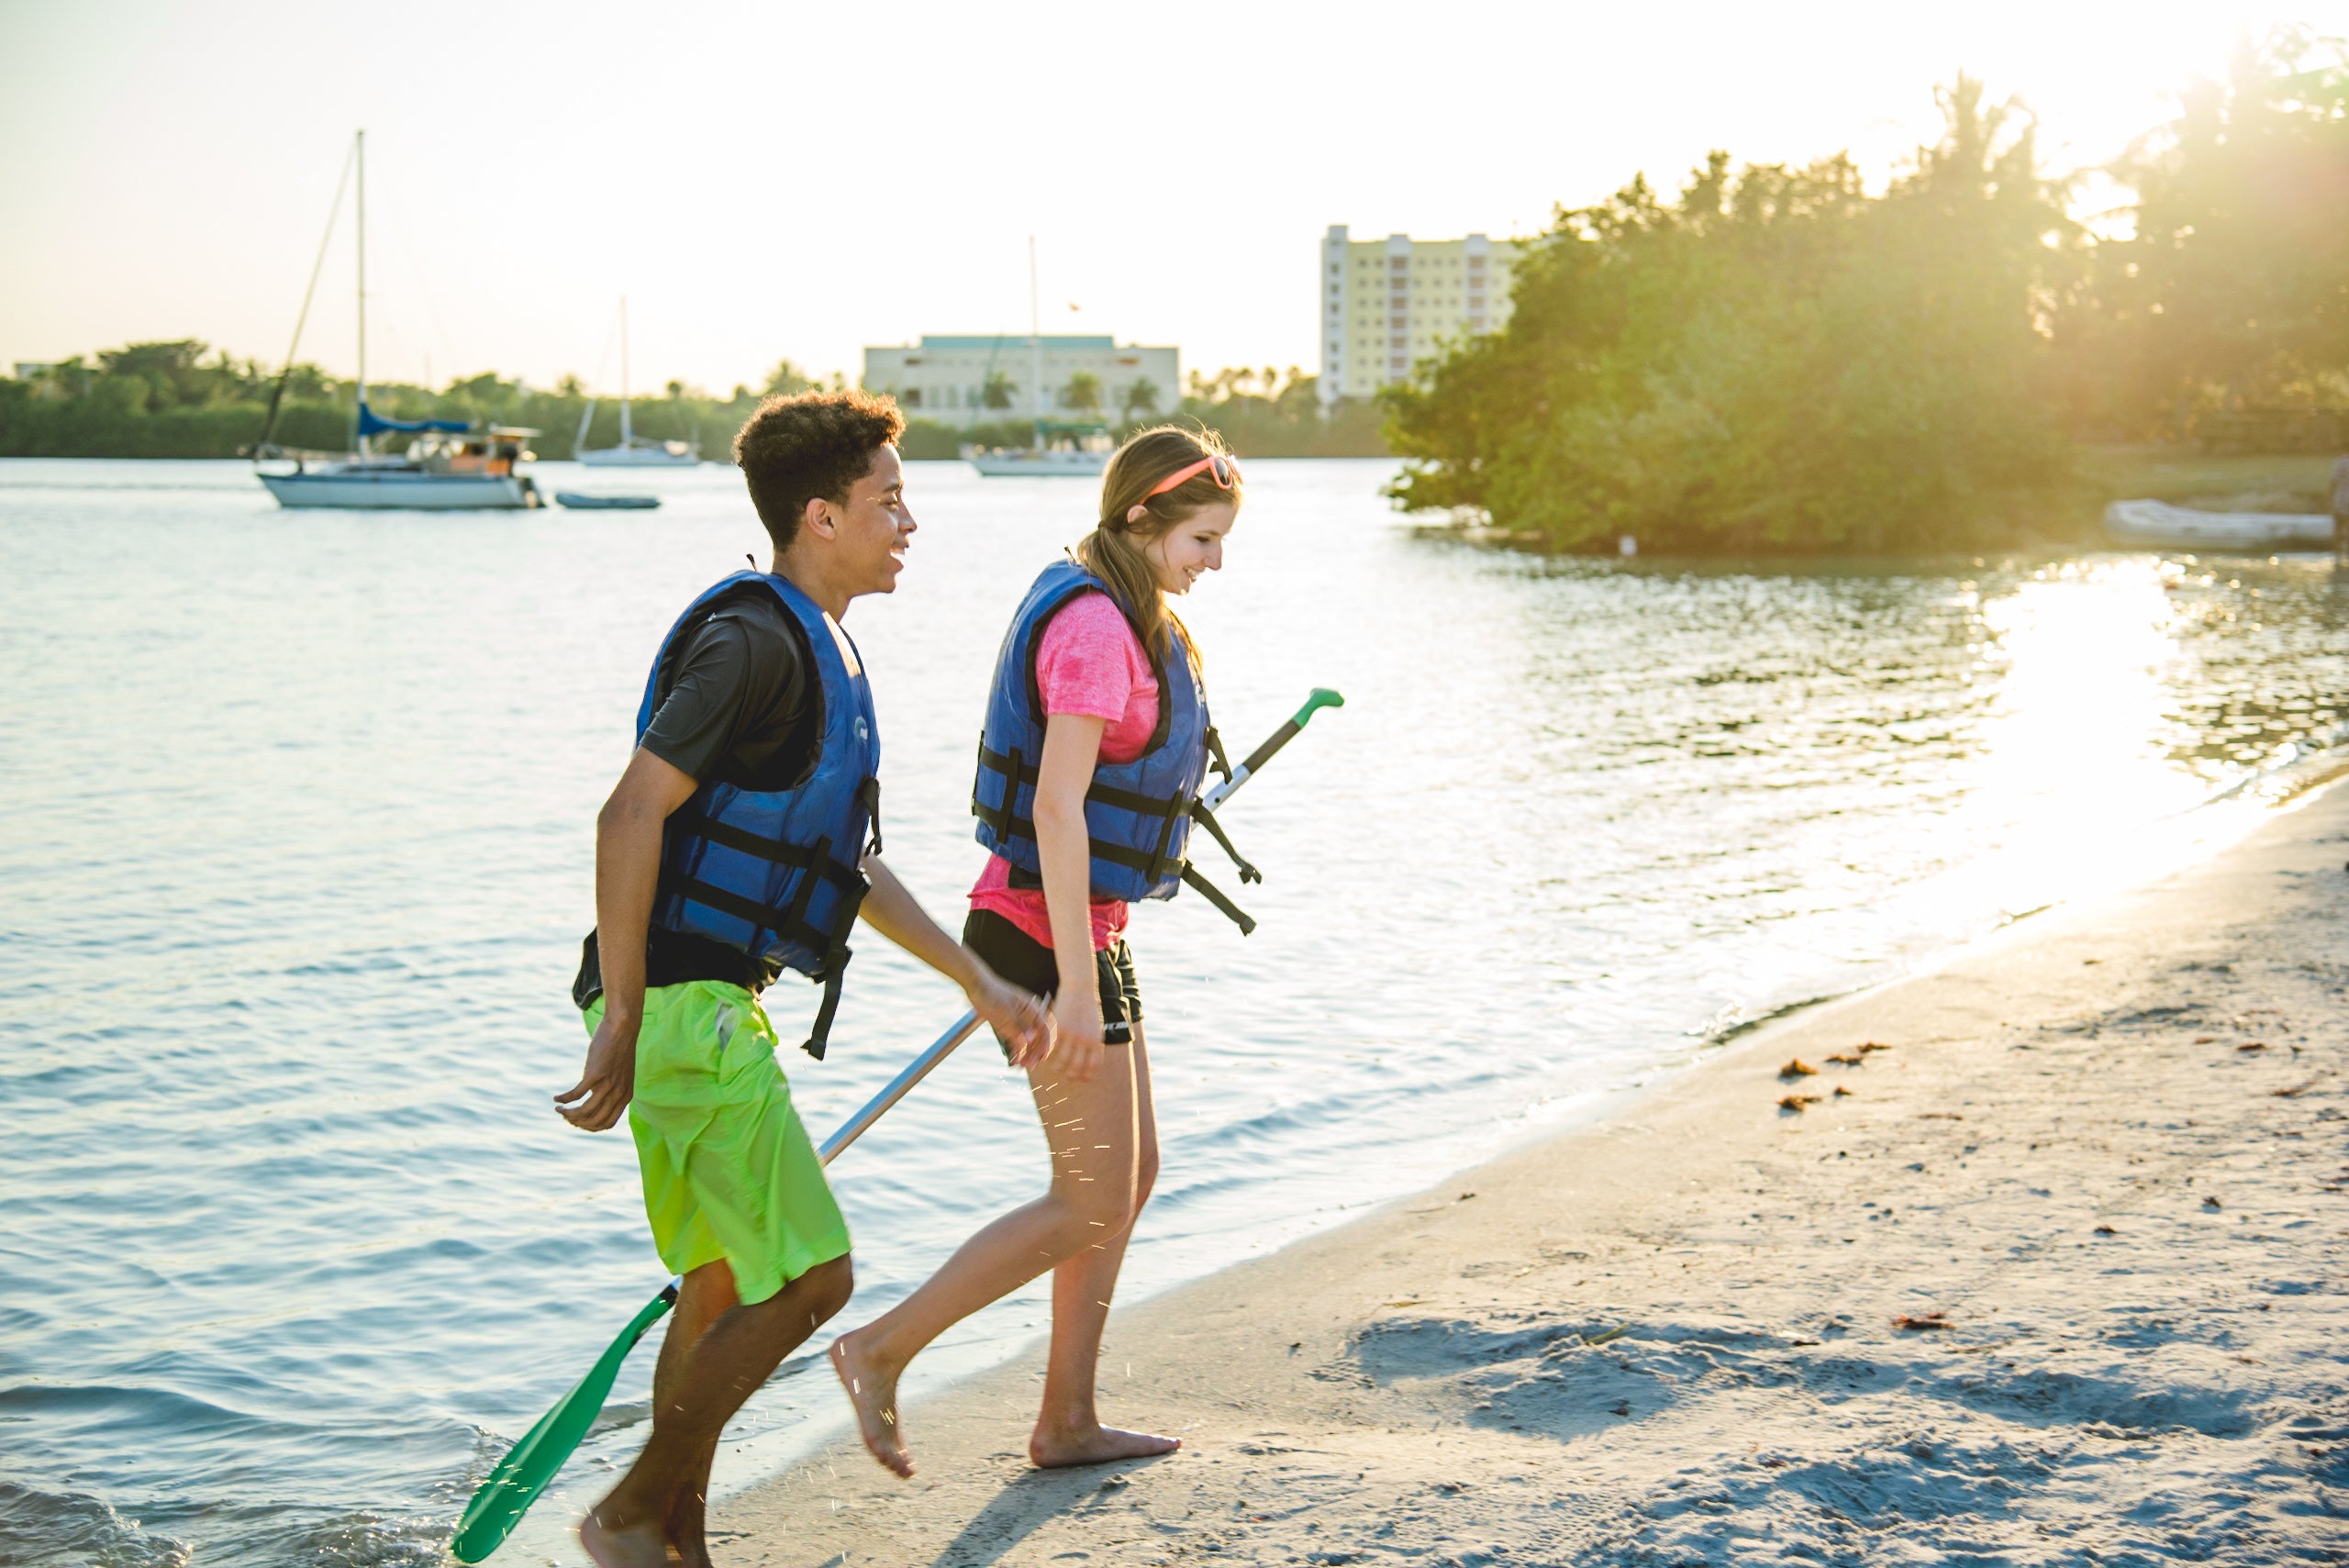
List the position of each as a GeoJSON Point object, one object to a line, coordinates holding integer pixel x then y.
{"type": "Point", "coordinates": [1190, 546]}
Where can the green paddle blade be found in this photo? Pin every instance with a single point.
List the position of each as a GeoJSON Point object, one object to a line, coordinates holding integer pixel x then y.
{"type": "Point", "coordinates": [529, 1464]}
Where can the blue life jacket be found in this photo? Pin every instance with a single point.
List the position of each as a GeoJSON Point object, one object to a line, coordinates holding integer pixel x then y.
{"type": "Point", "coordinates": [775, 873]}
{"type": "Point", "coordinates": [1138, 815]}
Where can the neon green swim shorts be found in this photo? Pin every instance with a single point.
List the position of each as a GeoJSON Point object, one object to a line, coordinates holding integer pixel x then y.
{"type": "Point", "coordinates": [728, 1171]}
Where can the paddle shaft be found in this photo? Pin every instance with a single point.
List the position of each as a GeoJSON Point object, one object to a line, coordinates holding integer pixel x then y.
{"type": "Point", "coordinates": [962, 1028]}
{"type": "Point", "coordinates": [527, 1467]}
{"type": "Point", "coordinates": [1322, 697]}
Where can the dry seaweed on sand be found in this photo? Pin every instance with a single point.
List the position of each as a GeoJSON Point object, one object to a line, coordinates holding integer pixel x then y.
{"type": "Point", "coordinates": [1872, 1045]}
{"type": "Point", "coordinates": [1798, 1068]}
{"type": "Point", "coordinates": [2253, 1045]}
{"type": "Point", "coordinates": [1847, 1059]}
{"type": "Point", "coordinates": [1840, 1091]}
{"type": "Point", "coordinates": [1922, 1320]}
{"type": "Point", "coordinates": [1796, 1102]}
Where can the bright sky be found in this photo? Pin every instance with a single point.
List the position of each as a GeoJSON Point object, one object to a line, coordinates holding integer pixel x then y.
{"type": "Point", "coordinates": [766, 180]}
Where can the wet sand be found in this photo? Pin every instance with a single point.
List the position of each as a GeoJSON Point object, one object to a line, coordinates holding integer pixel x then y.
{"type": "Point", "coordinates": [2100, 1171]}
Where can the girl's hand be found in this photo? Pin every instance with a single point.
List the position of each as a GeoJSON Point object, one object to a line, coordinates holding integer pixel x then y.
{"type": "Point", "coordinates": [1077, 1025]}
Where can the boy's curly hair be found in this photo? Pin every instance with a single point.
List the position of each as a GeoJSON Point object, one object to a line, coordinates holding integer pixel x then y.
{"type": "Point", "coordinates": [795, 449]}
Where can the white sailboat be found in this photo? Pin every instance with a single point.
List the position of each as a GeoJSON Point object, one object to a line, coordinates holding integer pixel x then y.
{"type": "Point", "coordinates": [632, 452]}
{"type": "Point", "coordinates": [450, 466]}
{"type": "Point", "coordinates": [1074, 451]}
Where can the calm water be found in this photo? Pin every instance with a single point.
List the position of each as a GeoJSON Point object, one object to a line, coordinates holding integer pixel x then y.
{"type": "Point", "coordinates": [297, 853]}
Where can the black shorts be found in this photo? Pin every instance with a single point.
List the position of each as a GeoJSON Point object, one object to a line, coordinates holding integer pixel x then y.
{"type": "Point", "coordinates": [1028, 965]}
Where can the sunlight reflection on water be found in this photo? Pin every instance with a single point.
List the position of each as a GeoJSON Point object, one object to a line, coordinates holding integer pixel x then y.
{"type": "Point", "coordinates": [299, 859]}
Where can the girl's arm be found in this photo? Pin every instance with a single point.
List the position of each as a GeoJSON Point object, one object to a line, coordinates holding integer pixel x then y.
{"type": "Point", "coordinates": [1072, 746]}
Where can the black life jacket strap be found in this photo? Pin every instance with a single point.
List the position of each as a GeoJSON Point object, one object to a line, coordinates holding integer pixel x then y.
{"type": "Point", "coordinates": [1016, 771]}
{"type": "Point", "coordinates": [742, 839]}
{"type": "Point", "coordinates": [1222, 763]}
{"type": "Point", "coordinates": [869, 793]}
{"type": "Point", "coordinates": [999, 816]}
{"type": "Point", "coordinates": [1206, 818]}
{"type": "Point", "coordinates": [836, 957]}
{"type": "Point", "coordinates": [1207, 890]}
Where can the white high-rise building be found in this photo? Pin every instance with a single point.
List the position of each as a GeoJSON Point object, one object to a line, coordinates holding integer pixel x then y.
{"type": "Point", "coordinates": [967, 381]}
{"type": "Point", "coordinates": [1386, 303]}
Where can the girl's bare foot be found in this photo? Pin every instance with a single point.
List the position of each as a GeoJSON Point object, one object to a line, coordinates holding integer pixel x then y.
{"type": "Point", "coordinates": [873, 1391]}
{"type": "Point", "coordinates": [637, 1545]}
{"type": "Point", "coordinates": [1059, 1448]}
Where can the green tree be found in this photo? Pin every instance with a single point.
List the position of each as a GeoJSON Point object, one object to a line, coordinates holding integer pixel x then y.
{"type": "Point", "coordinates": [996, 390]}
{"type": "Point", "coordinates": [1083, 393]}
{"type": "Point", "coordinates": [2231, 298]}
{"type": "Point", "coordinates": [785, 380]}
{"type": "Point", "coordinates": [1773, 360]}
{"type": "Point", "coordinates": [1141, 399]}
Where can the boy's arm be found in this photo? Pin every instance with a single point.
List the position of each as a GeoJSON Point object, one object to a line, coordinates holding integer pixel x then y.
{"type": "Point", "coordinates": [891, 910]}
{"type": "Point", "coordinates": [628, 869]}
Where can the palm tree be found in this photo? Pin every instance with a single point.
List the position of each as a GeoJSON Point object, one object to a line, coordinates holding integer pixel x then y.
{"type": "Point", "coordinates": [995, 392]}
{"type": "Point", "coordinates": [1141, 398]}
{"type": "Point", "coordinates": [1082, 392]}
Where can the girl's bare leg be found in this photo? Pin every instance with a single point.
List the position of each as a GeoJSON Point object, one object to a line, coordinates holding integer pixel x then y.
{"type": "Point", "coordinates": [1091, 1131]}
{"type": "Point", "coordinates": [1068, 1429]}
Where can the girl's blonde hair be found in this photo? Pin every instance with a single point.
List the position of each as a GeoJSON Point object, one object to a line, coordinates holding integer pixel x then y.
{"type": "Point", "coordinates": [1113, 551]}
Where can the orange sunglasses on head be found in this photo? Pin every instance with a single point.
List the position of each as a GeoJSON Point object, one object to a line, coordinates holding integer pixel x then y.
{"type": "Point", "coordinates": [1226, 471]}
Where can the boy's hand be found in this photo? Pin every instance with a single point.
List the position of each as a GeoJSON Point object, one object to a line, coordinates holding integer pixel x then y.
{"type": "Point", "coordinates": [608, 1081]}
{"type": "Point", "coordinates": [1020, 1020]}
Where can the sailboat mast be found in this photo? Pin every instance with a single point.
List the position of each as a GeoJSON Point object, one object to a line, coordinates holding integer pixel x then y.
{"type": "Point", "coordinates": [1035, 345]}
{"type": "Point", "coordinates": [361, 154]}
{"type": "Point", "coordinates": [628, 431]}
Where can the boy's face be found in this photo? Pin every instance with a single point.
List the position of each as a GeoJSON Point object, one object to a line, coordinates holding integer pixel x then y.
{"type": "Point", "coordinates": [874, 526]}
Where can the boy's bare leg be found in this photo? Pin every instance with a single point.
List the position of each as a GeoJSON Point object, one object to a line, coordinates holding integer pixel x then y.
{"type": "Point", "coordinates": [1090, 1128]}
{"type": "Point", "coordinates": [739, 1351]}
{"type": "Point", "coordinates": [706, 1295]}
{"type": "Point", "coordinates": [1068, 1428]}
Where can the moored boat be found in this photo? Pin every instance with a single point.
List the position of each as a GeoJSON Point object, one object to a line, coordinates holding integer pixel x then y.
{"type": "Point", "coordinates": [1058, 451]}
{"type": "Point", "coordinates": [449, 465]}
{"type": "Point", "coordinates": [584, 501]}
{"type": "Point", "coordinates": [1039, 462]}
{"type": "Point", "coordinates": [634, 450]}
{"type": "Point", "coordinates": [2157, 525]}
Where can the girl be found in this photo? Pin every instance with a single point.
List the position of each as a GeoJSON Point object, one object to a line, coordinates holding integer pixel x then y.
{"type": "Point", "coordinates": [1096, 743]}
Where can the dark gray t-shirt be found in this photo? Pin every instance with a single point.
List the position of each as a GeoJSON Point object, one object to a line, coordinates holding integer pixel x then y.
{"type": "Point", "coordinates": [733, 706]}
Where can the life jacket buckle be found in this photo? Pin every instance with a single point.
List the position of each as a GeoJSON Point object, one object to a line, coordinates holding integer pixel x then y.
{"type": "Point", "coordinates": [1206, 818]}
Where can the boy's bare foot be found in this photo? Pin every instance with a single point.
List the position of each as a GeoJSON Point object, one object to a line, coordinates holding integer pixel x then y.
{"type": "Point", "coordinates": [684, 1531]}
{"type": "Point", "coordinates": [873, 1391]}
{"type": "Point", "coordinates": [1061, 1448]}
{"type": "Point", "coordinates": [633, 1546]}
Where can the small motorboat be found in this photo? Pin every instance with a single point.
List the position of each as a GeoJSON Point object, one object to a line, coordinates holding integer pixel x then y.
{"type": "Point", "coordinates": [583, 501]}
{"type": "Point", "coordinates": [2157, 525]}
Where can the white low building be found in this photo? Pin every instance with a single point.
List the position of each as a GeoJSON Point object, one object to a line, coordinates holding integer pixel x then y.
{"type": "Point", "coordinates": [960, 381]}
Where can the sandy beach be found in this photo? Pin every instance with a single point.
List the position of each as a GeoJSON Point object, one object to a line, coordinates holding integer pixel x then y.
{"type": "Point", "coordinates": [2056, 1278]}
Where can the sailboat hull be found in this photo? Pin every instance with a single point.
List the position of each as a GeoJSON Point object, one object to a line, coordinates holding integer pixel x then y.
{"type": "Point", "coordinates": [637, 457]}
{"type": "Point", "coordinates": [398, 490]}
{"type": "Point", "coordinates": [1054, 463]}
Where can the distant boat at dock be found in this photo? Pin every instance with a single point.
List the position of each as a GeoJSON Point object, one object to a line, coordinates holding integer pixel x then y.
{"type": "Point", "coordinates": [1058, 451]}
{"type": "Point", "coordinates": [2157, 525]}
{"type": "Point", "coordinates": [1083, 458]}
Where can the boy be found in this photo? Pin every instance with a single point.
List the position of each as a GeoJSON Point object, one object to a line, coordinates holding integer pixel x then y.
{"type": "Point", "coordinates": [736, 846]}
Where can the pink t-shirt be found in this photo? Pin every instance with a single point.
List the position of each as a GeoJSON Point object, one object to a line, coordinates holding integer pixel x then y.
{"type": "Point", "coordinates": [1088, 662]}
